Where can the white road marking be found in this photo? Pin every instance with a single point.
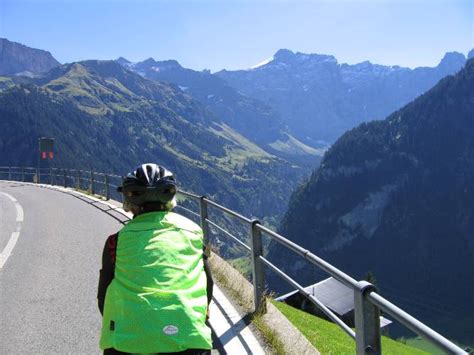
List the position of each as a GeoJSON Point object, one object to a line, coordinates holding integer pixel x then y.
{"type": "Point", "coordinates": [19, 213]}
{"type": "Point", "coordinates": [7, 251]}
{"type": "Point", "coordinates": [20, 216]}
{"type": "Point", "coordinates": [13, 199]}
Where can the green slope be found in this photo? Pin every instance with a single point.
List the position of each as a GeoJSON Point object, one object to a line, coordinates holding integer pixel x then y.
{"type": "Point", "coordinates": [328, 338]}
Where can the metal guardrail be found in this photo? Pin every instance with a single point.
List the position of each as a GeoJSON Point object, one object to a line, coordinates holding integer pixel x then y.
{"type": "Point", "coordinates": [367, 302]}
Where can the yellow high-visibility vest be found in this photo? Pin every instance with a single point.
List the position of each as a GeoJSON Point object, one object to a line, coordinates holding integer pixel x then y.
{"type": "Point", "coordinates": [157, 301]}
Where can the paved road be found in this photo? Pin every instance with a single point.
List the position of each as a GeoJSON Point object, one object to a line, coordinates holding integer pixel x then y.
{"type": "Point", "coordinates": [50, 251]}
{"type": "Point", "coordinates": [48, 283]}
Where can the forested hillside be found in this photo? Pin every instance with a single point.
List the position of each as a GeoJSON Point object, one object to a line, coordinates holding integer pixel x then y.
{"type": "Point", "coordinates": [396, 197]}
{"type": "Point", "coordinates": [111, 119]}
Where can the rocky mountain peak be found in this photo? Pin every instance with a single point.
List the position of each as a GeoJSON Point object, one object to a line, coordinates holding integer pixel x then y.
{"type": "Point", "coordinates": [283, 55]}
{"type": "Point", "coordinates": [123, 61]}
{"type": "Point", "coordinates": [287, 56]}
{"type": "Point", "coordinates": [470, 54]}
{"type": "Point", "coordinates": [168, 64]}
{"type": "Point", "coordinates": [152, 65]}
{"type": "Point", "coordinates": [149, 61]}
{"type": "Point", "coordinates": [452, 61]}
{"type": "Point", "coordinates": [17, 58]}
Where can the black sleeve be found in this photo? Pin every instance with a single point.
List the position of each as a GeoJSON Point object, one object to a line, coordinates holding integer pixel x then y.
{"type": "Point", "coordinates": [210, 281]}
{"type": "Point", "coordinates": [108, 269]}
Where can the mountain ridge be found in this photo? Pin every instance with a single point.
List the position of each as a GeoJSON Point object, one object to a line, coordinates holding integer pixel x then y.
{"type": "Point", "coordinates": [319, 98]}
{"type": "Point", "coordinates": [18, 59]}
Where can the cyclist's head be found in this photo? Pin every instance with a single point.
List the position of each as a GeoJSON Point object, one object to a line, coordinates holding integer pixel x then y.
{"type": "Point", "coordinates": [149, 187]}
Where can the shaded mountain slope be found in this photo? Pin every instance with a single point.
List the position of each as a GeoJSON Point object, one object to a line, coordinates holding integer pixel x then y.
{"type": "Point", "coordinates": [18, 59]}
{"type": "Point", "coordinates": [396, 197]}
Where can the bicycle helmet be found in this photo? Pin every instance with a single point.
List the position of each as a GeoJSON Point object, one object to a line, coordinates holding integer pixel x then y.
{"type": "Point", "coordinates": [147, 184]}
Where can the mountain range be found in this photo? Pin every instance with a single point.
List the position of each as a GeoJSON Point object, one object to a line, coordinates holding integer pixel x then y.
{"type": "Point", "coordinates": [109, 118]}
{"type": "Point", "coordinates": [250, 117]}
{"type": "Point", "coordinates": [396, 198]}
{"type": "Point", "coordinates": [319, 99]}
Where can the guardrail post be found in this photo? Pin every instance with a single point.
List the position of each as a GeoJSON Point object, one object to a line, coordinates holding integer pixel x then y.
{"type": "Point", "coordinates": [204, 225]}
{"type": "Point", "coordinates": [37, 175]}
{"type": "Point", "coordinates": [78, 180]}
{"type": "Point", "coordinates": [23, 174]}
{"type": "Point", "coordinates": [367, 321]}
{"type": "Point", "coordinates": [258, 273]}
{"type": "Point", "coordinates": [106, 183]}
{"type": "Point", "coordinates": [121, 195]}
{"type": "Point", "coordinates": [9, 173]}
{"type": "Point", "coordinates": [91, 186]}
{"type": "Point", "coordinates": [65, 177]}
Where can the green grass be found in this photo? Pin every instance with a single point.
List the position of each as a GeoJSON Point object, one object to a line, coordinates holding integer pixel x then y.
{"type": "Point", "coordinates": [241, 151]}
{"type": "Point", "coordinates": [242, 265]}
{"type": "Point", "coordinates": [293, 146]}
{"type": "Point", "coordinates": [328, 338]}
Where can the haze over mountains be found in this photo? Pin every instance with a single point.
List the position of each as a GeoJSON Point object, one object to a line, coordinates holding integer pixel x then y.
{"type": "Point", "coordinates": [319, 99]}
{"type": "Point", "coordinates": [310, 99]}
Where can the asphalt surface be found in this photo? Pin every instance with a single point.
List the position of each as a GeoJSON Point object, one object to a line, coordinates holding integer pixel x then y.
{"type": "Point", "coordinates": [48, 284]}
{"type": "Point", "coordinates": [7, 220]}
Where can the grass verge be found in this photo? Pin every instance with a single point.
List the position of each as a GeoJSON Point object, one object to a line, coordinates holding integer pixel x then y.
{"type": "Point", "coordinates": [271, 338]}
{"type": "Point", "coordinates": [328, 338]}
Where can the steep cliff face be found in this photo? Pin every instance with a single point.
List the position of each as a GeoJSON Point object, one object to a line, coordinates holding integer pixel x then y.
{"type": "Point", "coordinates": [17, 59]}
{"type": "Point", "coordinates": [396, 197]}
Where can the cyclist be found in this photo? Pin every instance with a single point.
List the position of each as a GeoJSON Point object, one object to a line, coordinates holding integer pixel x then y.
{"type": "Point", "coordinates": [155, 286]}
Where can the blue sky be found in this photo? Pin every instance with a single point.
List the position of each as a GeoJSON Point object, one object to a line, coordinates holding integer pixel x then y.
{"type": "Point", "coordinates": [231, 34]}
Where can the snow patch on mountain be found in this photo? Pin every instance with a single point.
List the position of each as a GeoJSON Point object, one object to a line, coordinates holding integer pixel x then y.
{"type": "Point", "coordinates": [262, 63]}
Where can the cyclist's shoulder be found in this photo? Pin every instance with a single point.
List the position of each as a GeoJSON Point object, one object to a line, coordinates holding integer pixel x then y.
{"type": "Point", "coordinates": [182, 222]}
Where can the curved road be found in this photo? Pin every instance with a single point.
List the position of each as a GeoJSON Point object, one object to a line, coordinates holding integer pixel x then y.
{"type": "Point", "coordinates": [48, 284]}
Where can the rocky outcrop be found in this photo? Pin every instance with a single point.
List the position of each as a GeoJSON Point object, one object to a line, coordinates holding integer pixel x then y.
{"type": "Point", "coordinates": [18, 59]}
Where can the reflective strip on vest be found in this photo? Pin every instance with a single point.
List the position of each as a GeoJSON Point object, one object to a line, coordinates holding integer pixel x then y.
{"type": "Point", "coordinates": [157, 301]}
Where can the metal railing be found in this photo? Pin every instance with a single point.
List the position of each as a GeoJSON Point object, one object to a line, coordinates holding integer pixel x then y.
{"type": "Point", "coordinates": [367, 302]}
{"type": "Point", "coordinates": [90, 181]}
